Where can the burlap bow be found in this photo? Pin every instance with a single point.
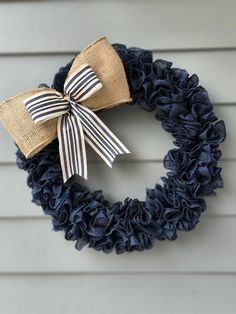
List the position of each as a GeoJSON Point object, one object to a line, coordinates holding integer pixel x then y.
{"type": "Point", "coordinates": [34, 118]}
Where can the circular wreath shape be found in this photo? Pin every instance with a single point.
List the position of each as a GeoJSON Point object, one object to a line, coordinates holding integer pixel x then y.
{"type": "Point", "coordinates": [185, 111]}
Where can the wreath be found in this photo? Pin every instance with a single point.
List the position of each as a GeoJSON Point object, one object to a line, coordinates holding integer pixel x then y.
{"type": "Point", "coordinates": [184, 110]}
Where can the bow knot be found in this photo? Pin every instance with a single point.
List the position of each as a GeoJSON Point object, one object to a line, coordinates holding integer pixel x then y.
{"type": "Point", "coordinates": [76, 123]}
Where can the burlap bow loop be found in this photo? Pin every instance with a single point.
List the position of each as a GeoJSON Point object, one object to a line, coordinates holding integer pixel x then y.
{"type": "Point", "coordinates": [34, 118]}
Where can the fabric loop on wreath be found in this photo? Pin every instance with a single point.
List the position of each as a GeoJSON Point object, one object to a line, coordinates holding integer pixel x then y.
{"type": "Point", "coordinates": [75, 123]}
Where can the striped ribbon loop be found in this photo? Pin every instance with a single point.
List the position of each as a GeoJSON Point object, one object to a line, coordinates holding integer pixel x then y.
{"type": "Point", "coordinates": [76, 123]}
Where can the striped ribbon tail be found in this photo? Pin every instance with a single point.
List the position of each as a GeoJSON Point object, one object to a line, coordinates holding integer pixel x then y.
{"type": "Point", "coordinates": [71, 146]}
{"type": "Point", "coordinates": [73, 129]}
{"type": "Point", "coordinates": [98, 135]}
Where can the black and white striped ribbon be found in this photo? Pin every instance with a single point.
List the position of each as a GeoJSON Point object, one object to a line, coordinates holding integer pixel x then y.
{"type": "Point", "coordinates": [76, 123]}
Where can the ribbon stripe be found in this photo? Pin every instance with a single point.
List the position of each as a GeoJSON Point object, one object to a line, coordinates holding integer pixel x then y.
{"type": "Point", "coordinates": [111, 137]}
{"type": "Point", "coordinates": [48, 104]}
{"type": "Point", "coordinates": [70, 81]}
{"type": "Point", "coordinates": [34, 98]}
{"type": "Point", "coordinates": [80, 83]}
{"type": "Point", "coordinates": [108, 160]}
{"type": "Point", "coordinates": [83, 84]}
{"type": "Point", "coordinates": [100, 142]}
{"type": "Point", "coordinates": [76, 123]}
{"type": "Point", "coordinates": [63, 147]}
{"type": "Point", "coordinates": [95, 132]}
{"type": "Point", "coordinates": [92, 87]}
{"type": "Point", "coordinates": [81, 152]}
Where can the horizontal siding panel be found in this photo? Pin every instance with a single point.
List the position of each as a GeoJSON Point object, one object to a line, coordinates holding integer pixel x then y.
{"type": "Point", "coordinates": [40, 26]}
{"type": "Point", "coordinates": [125, 179]}
{"type": "Point", "coordinates": [34, 69]}
{"type": "Point", "coordinates": [216, 70]}
{"type": "Point", "coordinates": [150, 142]}
{"type": "Point", "coordinates": [29, 245]}
{"type": "Point", "coordinates": [102, 294]}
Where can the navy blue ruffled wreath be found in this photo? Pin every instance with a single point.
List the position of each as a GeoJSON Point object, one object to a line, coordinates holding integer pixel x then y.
{"type": "Point", "coordinates": [184, 109]}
